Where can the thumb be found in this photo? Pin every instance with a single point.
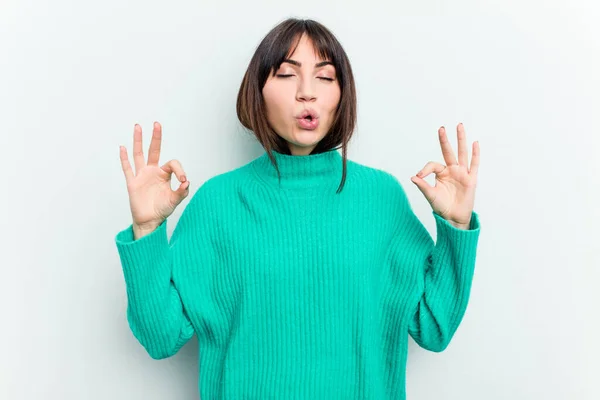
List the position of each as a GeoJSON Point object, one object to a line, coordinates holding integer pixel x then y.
{"type": "Point", "coordinates": [423, 186]}
{"type": "Point", "coordinates": [177, 196]}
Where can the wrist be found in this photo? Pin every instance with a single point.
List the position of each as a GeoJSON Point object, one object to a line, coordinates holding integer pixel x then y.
{"type": "Point", "coordinates": [140, 231]}
{"type": "Point", "coordinates": [460, 226]}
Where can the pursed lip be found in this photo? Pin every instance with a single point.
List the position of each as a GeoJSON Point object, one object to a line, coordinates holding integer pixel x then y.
{"type": "Point", "coordinates": [308, 112]}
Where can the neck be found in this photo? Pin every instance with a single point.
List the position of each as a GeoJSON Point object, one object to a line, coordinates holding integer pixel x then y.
{"type": "Point", "coordinates": [302, 173]}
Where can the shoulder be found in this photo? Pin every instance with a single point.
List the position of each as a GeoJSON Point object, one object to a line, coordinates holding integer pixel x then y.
{"type": "Point", "coordinates": [382, 181]}
{"type": "Point", "coordinates": [221, 185]}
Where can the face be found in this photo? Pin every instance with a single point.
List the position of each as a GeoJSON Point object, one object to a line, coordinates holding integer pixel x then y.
{"type": "Point", "coordinates": [302, 83]}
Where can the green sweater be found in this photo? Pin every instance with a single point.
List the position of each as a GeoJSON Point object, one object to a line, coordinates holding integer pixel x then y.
{"type": "Point", "coordinates": [293, 290]}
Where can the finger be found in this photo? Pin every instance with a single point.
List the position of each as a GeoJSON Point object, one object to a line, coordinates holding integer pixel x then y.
{"type": "Point", "coordinates": [154, 150]}
{"type": "Point", "coordinates": [424, 187]}
{"type": "Point", "coordinates": [138, 152]}
{"type": "Point", "coordinates": [181, 193]}
{"type": "Point", "coordinates": [174, 166]}
{"type": "Point", "coordinates": [447, 151]}
{"type": "Point", "coordinates": [430, 167]}
{"type": "Point", "coordinates": [463, 155]}
{"type": "Point", "coordinates": [475, 159]}
{"type": "Point", "coordinates": [129, 174]}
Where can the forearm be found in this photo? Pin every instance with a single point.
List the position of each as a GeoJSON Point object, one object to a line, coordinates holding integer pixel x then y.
{"type": "Point", "coordinates": [443, 290]}
{"type": "Point", "coordinates": [154, 309]}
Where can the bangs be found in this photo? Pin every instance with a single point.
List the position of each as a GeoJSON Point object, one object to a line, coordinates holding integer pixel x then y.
{"type": "Point", "coordinates": [282, 47]}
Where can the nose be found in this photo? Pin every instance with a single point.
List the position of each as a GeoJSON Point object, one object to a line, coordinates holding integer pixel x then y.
{"type": "Point", "coordinates": [306, 91]}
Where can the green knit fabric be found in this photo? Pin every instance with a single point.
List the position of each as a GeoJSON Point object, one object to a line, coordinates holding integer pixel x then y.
{"type": "Point", "coordinates": [293, 290]}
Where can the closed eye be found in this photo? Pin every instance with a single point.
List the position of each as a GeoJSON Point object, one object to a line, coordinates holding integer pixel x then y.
{"type": "Point", "coordinates": [320, 77]}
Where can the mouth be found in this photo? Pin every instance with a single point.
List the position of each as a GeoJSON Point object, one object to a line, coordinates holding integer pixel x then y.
{"type": "Point", "coordinates": [308, 119]}
{"type": "Point", "coordinates": [308, 122]}
{"type": "Point", "coordinates": [308, 113]}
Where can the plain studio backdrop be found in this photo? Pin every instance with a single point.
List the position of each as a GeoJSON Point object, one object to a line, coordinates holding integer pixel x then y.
{"type": "Point", "coordinates": [76, 76]}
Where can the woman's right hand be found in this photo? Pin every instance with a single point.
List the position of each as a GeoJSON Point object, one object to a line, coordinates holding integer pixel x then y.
{"type": "Point", "coordinates": [150, 195]}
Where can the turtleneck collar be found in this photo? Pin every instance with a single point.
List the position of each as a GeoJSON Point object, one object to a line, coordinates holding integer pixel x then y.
{"type": "Point", "coordinates": [310, 173]}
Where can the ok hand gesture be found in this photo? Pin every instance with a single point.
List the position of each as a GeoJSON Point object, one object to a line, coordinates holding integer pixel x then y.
{"type": "Point", "coordinates": [150, 195]}
{"type": "Point", "coordinates": [453, 195]}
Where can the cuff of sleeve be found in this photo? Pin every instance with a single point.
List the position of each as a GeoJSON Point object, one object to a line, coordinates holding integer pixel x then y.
{"type": "Point", "coordinates": [473, 226]}
{"type": "Point", "coordinates": [125, 237]}
{"type": "Point", "coordinates": [144, 253]}
{"type": "Point", "coordinates": [456, 242]}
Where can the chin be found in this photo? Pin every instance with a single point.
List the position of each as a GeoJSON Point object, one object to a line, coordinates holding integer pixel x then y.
{"type": "Point", "coordinates": [303, 144]}
{"type": "Point", "coordinates": [306, 138]}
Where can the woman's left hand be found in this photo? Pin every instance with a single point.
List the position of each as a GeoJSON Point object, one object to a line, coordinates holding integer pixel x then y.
{"type": "Point", "coordinates": [453, 196]}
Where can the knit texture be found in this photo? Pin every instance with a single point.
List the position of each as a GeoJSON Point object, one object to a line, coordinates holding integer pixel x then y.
{"type": "Point", "coordinates": [293, 290]}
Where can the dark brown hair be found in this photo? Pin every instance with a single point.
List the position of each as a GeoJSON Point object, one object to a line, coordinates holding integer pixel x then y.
{"type": "Point", "coordinates": [276, 46]}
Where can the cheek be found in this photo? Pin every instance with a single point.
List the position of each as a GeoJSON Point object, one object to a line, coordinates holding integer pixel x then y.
{"type": "Point", "coordinates": [267, 93]}
{"type": "Point", "coordinates": [332, 98]}
{"type": "Point", "coordinates": [275, 104]}
{"type": "Point", "coordinates": [270, 100]}
{"type": "Point", "coordinates": [275, 98]}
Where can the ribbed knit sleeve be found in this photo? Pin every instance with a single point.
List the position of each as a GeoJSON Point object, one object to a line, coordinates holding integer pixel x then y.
{"type": "Point", "coordinates": [155, 311]}
{"type": "Point", "coordinates": [439, 274]}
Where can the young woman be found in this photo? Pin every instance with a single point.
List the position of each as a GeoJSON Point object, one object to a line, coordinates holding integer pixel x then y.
{"type": "Point", "coordinates": [302, 273]}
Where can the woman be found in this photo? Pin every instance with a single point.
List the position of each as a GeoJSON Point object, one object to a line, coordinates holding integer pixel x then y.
{"type": "Point", "coordinates": [302, 273]}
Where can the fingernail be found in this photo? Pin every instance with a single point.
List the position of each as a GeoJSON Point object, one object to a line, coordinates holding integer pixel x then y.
{"type": "Point", "coordinates": [182, 179]}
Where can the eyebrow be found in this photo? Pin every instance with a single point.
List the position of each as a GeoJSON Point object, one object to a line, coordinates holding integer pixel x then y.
{"type": "Point", "coordinates": [299, 64]}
